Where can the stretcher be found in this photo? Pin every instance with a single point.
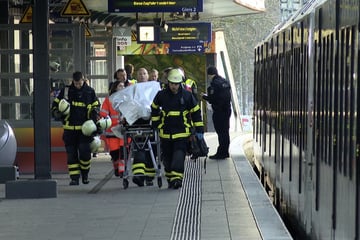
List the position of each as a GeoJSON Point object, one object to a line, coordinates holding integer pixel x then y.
{"type": "Point", "coordinates": [140, 138]}
{"type": "Point", "coordinates": [134, 102]}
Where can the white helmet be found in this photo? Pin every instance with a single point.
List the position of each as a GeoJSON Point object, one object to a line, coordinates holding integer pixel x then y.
{"type": "Point", "coordinates": [88, 128]}
{"type": "Point", "coordinates": [64, 107]}
{"type": "Point", "coordinates": [104, 123]}
{"type": "Point", "coordinates": [95, 144]}
{"type": "Point", "coordinates": [175, 76]}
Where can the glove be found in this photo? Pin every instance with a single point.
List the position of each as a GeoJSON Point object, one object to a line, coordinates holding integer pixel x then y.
{"type": "Point", "coordinates": [200, 136]}
{"type": "Point", "coordinates": [57, 114]}
{"type": "Point", "coordinates": [94, 114]}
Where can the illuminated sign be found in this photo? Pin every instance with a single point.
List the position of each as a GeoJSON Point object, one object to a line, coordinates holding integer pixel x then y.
{"type": "Point", "coordinates": [117, 6]}
{"type": "Point", "coordinates": [189, 32]}
{"type": "Point", "coordinates": [147, 33]}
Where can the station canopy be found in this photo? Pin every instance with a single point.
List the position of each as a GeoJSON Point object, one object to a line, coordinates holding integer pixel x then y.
{"type": "Point", "coordinates": [99, 13]}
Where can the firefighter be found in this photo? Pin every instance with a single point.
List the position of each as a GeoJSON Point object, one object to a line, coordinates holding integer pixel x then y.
{"type": "Point", "coordinates": [77, 106]}
{"type": "Point", "coordinates": [175, 111]}
{"type": "Point", "coordinates": [115, 144]}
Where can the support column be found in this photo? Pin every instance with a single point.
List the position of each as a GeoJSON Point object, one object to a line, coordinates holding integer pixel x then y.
{"type": "Point", "coordinates": [42, 186]}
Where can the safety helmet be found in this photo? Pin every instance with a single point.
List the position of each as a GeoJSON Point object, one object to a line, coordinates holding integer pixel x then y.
{"type": "Point", "coordinates": [88, 128]}
{"type": "Point", "coordinates": [182, 73]}
{"type": "Point", "coordinates": [64, 107]}
{"type": "Point", "coordinates": [95, 144]}
{"type": "Point", "coordinates": [104, 123]}
{"type": "Point", "coordinates": [175, 76]}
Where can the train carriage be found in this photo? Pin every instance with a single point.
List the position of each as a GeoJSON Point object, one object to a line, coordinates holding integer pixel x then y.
{"type": "Point", "coordinates": [306, 138]}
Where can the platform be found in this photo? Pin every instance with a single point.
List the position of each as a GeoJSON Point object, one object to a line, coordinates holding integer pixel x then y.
{"type": "Point", "coordinates": [225, 203]}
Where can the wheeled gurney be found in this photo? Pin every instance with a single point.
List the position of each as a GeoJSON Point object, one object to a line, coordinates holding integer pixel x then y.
{"type": "Point", "coordinates": [141, 138]}
{"type": "Point", "coordinates": [134, 102]}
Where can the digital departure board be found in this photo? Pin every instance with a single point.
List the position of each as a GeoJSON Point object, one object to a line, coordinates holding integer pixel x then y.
{"type": "Point", "coordinates": [118, 6]}
{"type": "Point", "coordinates": [189, 32]}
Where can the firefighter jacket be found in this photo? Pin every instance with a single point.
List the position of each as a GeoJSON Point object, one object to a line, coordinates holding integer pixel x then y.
{"type": "Point", "coordinates": [219, 94]}
{"type": "Point", "coordinates": [175, 114]}
{"type": "Point", "coordinates": [84, 105]}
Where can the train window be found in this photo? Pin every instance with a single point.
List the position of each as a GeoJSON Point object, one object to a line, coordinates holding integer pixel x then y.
{"type": "Point", "coordinates": [346, 98]}
{"type": "Point", "coordinates": [352, 143]}
{"type": "Point", "coordinates": [348, 114]}
{"type": "Point", "coordinates": [318, 100]}
{"type": "Point", "coordinates": [331, 70]}
{"type": "Point", "coordinates": [328, 97]}
{"type": "Point", "coordinates": [341, 89]}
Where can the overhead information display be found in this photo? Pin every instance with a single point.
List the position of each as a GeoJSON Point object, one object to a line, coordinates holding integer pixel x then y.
{"type": "Point", "coordinates": [190, 32]}
{"type": "Point", "coordinates": [117, 6]}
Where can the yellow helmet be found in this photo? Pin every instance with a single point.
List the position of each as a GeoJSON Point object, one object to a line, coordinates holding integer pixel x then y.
{"type": "Point", "coordinates": [175, 76]}
{"type": "Point", "coordinates": [88, 128]}
{"type": "Point", "coordinates": [104, 123]}
{"type": "Point", "coordinates": [64, 107]}
{"type": "Point", "coordinates": [95, 144]}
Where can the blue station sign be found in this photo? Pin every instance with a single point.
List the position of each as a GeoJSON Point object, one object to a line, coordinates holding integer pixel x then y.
{"type": "Point", "coordinates": [179, 48]}
{"type": "Point", "coordinates": [186, 32]}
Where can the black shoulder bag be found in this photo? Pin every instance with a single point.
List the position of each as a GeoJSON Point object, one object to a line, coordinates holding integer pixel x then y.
{"type": "Point", "coordinates": [198, 148]}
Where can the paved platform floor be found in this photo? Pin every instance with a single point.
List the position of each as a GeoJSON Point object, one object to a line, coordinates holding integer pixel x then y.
{"type": "Point", "coordinates": [210, 206]}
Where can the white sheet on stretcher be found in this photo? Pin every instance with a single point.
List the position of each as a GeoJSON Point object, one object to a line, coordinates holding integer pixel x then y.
{"type": "Point", "coordinates": [134, 101]}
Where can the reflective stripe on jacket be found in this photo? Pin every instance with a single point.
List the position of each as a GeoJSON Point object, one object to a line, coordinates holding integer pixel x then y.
{"type": "Point", "coordinates": [175, 114]}
{"type": "Point", "coordinates": [84, 105]}
{"type": "Point", "coordinates": [108, 110]}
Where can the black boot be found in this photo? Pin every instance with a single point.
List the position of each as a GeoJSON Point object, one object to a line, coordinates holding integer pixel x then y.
{"type": "Point", "coordinates": [74, 182]}
{"type": "Point", "coordinates": [170, 184]}
{"type": "Point", "coordinates": [138, 180]}
{"type": "Point", "coordinates": [177, 184]}
{"type": "Point", "coordinates": [85, 180]}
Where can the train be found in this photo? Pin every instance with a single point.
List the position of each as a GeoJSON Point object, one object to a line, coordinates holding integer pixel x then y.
{"type": "Point", "coordinates": [306, 129]}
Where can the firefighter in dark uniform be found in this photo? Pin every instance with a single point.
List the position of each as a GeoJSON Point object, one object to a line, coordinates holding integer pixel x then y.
{"type": "Point", "coordinates": [174, 112]}
{"type": "Point", "coordinates": [219, 96]}
{"type": "Point", "coordinates": [74, 105]}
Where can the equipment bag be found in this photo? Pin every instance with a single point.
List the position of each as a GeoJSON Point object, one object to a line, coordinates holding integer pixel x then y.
{"type": "Point", "coordinates": [203, 149]}
{"type": "Point", "coordinates": [198, 148]}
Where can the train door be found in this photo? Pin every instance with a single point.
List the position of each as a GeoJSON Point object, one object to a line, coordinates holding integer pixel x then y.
{"type": "Point", "coordinates": [66, 54]}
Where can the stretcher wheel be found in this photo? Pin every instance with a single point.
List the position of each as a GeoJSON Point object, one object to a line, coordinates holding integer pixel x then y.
{"type": "Point", "coordinates": [125, 183]}
{"type": "Point", "coordinates": [159, 181]}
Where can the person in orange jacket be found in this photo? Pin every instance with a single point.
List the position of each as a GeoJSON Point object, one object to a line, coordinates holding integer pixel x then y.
{"type": "Point", "coordinates": [114, 144]}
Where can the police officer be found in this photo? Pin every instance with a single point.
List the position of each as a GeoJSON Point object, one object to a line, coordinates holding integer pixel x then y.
{"type": "Point", "coordinates": [174, 112]}
{"type": "Point", "coordinates": [74, 106]}
{"type": "Point", "coordinates": [219, 96]}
